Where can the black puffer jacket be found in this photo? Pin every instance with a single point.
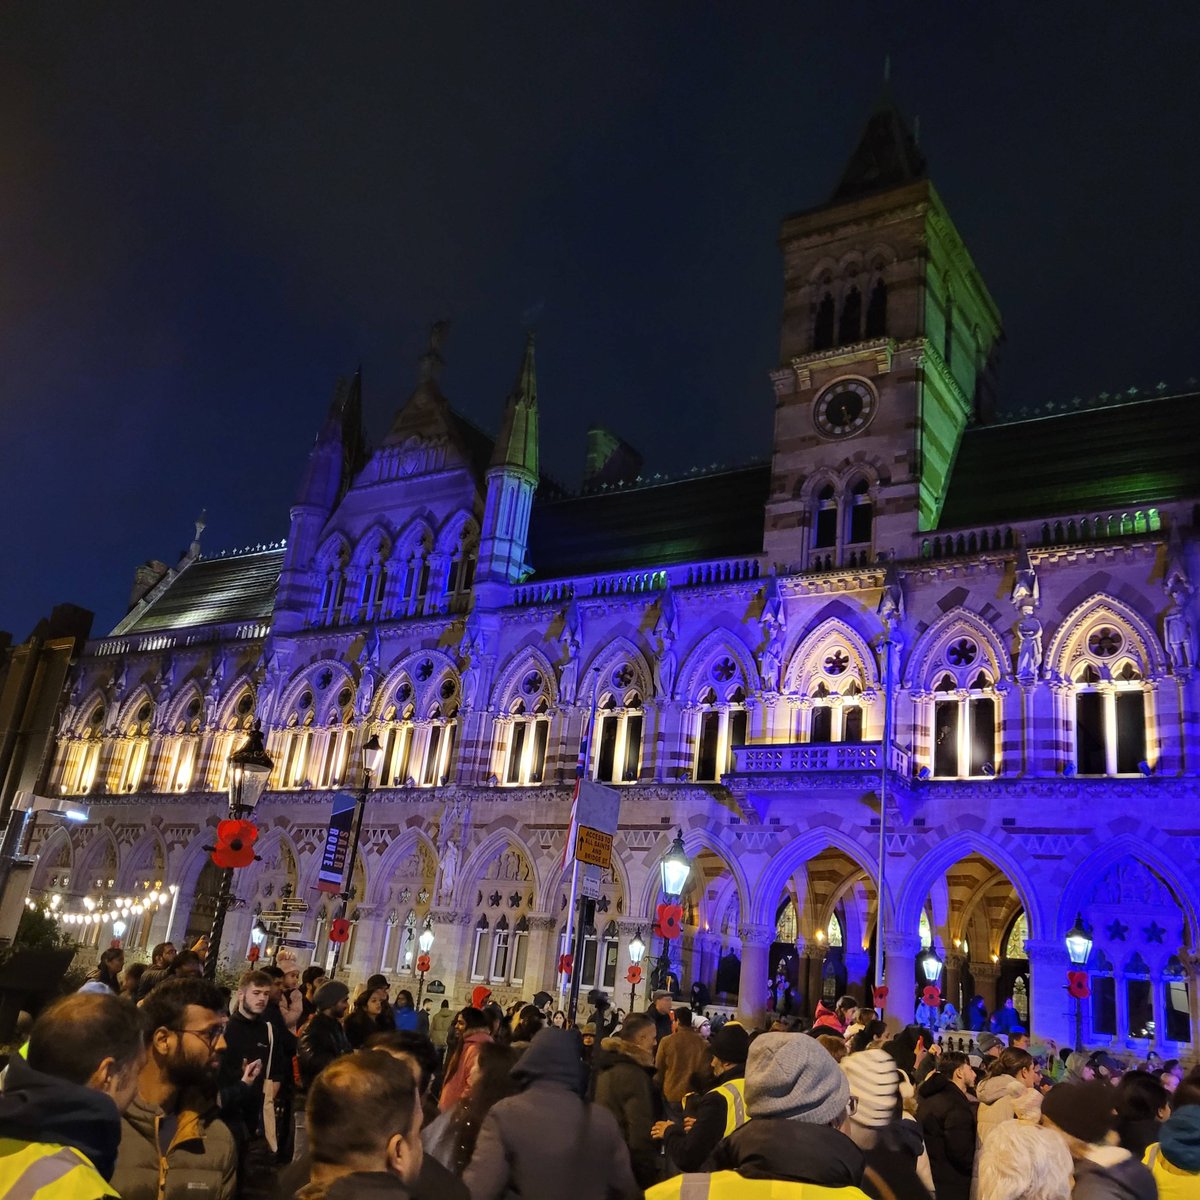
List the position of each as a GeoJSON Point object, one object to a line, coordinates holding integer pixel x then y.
{"type": "Point", "coordinates": [947, 1120]}
{"type": "Point", "coordinates": [625, 1086]}
{"type": "Point", "coordinates": [322, 1040]}
{"type": "Point", "coordinates": [775, 1148]}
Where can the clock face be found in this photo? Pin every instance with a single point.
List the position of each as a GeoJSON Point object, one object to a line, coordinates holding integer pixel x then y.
{"type": "Point", "coordinates": [844, 409]}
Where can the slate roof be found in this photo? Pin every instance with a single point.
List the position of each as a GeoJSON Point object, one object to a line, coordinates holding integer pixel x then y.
{"type": "Point", "coordinates": [719, 515]}
{"type": "Point", "coordinates": [213, 591]}
{"type": "Point", "coordinates": [1128, 455]}
{"type": "Point", "coordinates": [886, 156]}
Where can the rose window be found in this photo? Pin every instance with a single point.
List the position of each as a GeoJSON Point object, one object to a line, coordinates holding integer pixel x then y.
{"type": "Point", "coordinates": [622, 677]}
{"type": "Point", "coordinates": [836, 663]}
{"type": "Point", "coordinates": [532, 683]}
{"type": "Point", "coordinates": [724, 670]}
{"type": "Point", "coordinates": [425, 669]}
{"type": "Point", "coordinates": [1105, 642]}
{"type": "Point", "coordinates": [963, 653]}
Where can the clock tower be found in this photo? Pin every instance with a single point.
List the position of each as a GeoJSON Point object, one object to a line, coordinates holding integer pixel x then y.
{"type": "Point", "coordinates": [887, 351]}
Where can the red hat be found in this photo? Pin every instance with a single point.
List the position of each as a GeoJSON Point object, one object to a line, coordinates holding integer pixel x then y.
{"type": "Point", "coordinates": [479, 997]}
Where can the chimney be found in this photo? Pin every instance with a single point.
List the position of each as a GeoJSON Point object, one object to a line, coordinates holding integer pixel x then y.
{"type": "Point", "coordinates": [610, 460]}
{"type": "Point", "coordinates": [145, 577]}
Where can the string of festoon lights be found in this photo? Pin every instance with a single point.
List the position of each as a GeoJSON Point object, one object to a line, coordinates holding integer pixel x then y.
{"type": "Point", "coordinates": [112, 909]}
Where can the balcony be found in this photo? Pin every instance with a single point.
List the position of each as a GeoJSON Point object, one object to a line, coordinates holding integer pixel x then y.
{"type": "Point", "coordinates": [808, 757]}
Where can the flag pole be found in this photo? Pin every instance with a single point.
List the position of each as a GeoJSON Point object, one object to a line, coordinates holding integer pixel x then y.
{"type": "Point", "coordinates": [575, 940]}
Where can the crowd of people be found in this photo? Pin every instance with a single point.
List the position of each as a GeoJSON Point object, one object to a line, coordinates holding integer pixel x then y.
{"type": "Point", "coordinates": [156, 1084]}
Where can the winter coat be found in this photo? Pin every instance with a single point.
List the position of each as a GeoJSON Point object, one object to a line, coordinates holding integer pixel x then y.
{"type": "Point", "coordinates": [625, 1086]}
{"type": "Point", "coordinates": [827, 1019]}
{"type": "Point", "coordinates": [1003, 1098]}
{"type": "Point", "coordinates": [58, 1140]}
{"type": "Point", "coordinates": [548, 1140]}
{"type": "Point", "coordinates": [1135, 1136]}
{"type": "Point", "coordinates": [434, 1182]}
{"type": "Point", "coordinates": [712, 1114]}
{"type": "Point", "coordinates": [817, 1160]}
{"type": "Point", "coordinates": [662, 1023]}
{"type": "Point", "coordinates": [1175, 1159]}
{"type": "Point", "coordinates": [322, 1040]}
{"type": "Point", "coordinates": [359, 1026]}
{"type": "Point", "coordinates": [456, 1082]}
{"type": "Point", "coordinates": [200, 1163]}
{"type": "Point", "coordinates": [246, 1039]}
{"type": "Point", "coordinates": [406, 1018]}
{"type": "Point", "coordinates": [947, 1119]}
{"type": "Point", "coordinates": [1110, 1173]}
{"type": "Point", "coordinates": [681, 1064]}
{"type": "Point", "coordinates": [439, 1026]}
{"type": "Point", "coordinates": [358, 1185]}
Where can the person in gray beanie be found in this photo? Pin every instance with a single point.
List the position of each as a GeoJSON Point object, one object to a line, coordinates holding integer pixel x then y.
{"type": "Point", "coordinates": [323, 1038]}
{"type": "Point", "coordinates": [799, 1101]}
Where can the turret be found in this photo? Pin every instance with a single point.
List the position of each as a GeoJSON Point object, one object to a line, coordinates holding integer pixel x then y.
{"type": "Point", "coordinates": [512, 479]}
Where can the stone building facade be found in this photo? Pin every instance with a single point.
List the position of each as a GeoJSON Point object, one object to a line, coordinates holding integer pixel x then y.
{"type": "Point", "coordinates": [1009, 595]}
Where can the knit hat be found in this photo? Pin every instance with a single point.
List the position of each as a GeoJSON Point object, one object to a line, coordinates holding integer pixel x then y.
{"type": "Point", "coordinates": [329, 994]}
{"type": "Point", "coordinates": [792, 1076]}
{"type": "Point", "coordinates": [1082, 1110]}
{"type": "Point", "coordinates": [988, 1041]}
{"type": "Point", "coordinates": [660, 994]}
{"type": "Point", "coordinates": [286, 960]}
{"type": "Point", "coordinates": [589, 1028]}
{"type": "Point", "coordinates": [731, 1044]}
{"type": "Point", "coordinates": [874, 1082]}
{"type": "Point", "coordinates": [1179, 1137]}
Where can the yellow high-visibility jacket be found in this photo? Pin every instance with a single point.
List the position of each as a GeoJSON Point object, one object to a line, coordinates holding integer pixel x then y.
{"type": "Point", "coordinates": [729, 1185]}
{"type": "Point", "coordinates": [48, 1171]}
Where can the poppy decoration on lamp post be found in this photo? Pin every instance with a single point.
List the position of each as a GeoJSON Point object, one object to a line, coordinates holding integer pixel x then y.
{"type": "Point", "coordinates": [339, 931]}
{"type": "Point", "coordinates": [1079, 949]}
{"type": "Point", "coordinates": [235, 844]}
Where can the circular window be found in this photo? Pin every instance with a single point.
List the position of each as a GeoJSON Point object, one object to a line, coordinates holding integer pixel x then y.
{"type": "Point", "coordinates": [97, 716]}
{"type": "Point", "coordinates": [344, 697]}
{"type": "Point", "coordinates": [245, 704]}
{"type": "Point", "coordinates": [425, 670]}
{"type": "Point", "coordinates": [404, 692]}
{"type": "Point", "coordinates": [305, 701]}
{"type": "Point", "coordinates": [962, 653]}
{"type": "Point", "coordinates": [193, 709]}
{"type": "Point", "coordinates": [836, 663]}
{"type": "Point", "coordinates": [622, 676]}
{"type": "Point", "coordinates": [532, 683]}
{"type": "Point", "coordinates": [447, 689]}
{"type": "Point", "coordinates": [1105, 641]}
{"type": "Point", "coordinates": [724, 669]}
{"type": "Point", "coordinates": [145, 712]}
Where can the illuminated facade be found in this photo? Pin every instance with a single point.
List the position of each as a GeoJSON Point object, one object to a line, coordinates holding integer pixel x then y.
{"type": "Point", "coordinates": [438, 592]}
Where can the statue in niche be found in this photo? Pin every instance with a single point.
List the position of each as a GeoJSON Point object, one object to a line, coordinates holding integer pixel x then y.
{"type": "Point", "coordinates": [666, 630]}
{"type": "Point", "coordinates": [1177, 629]}
{"type": "Point", "coordinates": [1029, 646]}
{"type": "Point", "coordinates": [571, 641]}
{"type": "Point", "coordinates": [770, 660]}
{"type": "Point", "coordinates": [447, 840]}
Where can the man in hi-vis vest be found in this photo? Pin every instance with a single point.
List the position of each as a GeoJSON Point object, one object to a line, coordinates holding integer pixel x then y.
{"type": "Point", "coordinates": [794, 1146]}
{"type": "Point", "coordinates": [716, 1114]}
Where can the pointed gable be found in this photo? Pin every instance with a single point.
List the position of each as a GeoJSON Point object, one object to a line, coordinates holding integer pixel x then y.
{"type": "Point", "coordinates": [517, 445]}
{"type": "Point", "coordinates": [886, 156]}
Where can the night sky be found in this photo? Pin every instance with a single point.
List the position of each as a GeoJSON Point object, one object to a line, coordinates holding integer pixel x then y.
{"type": "Point", "coordinates": [208, 212]}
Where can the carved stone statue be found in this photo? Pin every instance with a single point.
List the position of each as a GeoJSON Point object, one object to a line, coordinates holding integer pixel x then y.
{"type": "Point", "coordinates": [663, 669]}
{"type": "Point", "coordinates": [448, 853]}
{"type": "Point", "coordinates": [1029, 646]}
{"type": "Point", "coordinates": [1177, 631]}
{"type": "Point", "coordinates": [770, 660]}
{"type": "Point", "coordinates": [1025, 591]}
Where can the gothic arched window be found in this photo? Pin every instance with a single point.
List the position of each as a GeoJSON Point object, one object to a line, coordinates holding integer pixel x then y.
{"type": "Point", "coordinates": [850, 325]}
{"type": "Point", "coordinates": [877, 310]}
{"type": "Point", "coordinates": [721, 723]}
{"type": "Point", "coordinates": [860, 517]}
{"type": "Point", "coordinates": [619, 730]}
{"type": "Point", "coordinates": [528, 737]}
{"type": "Point", "coordinates": [823, 324]}
{"type": "Point", "coordinates": [1110, 705]}
{"type": "Point", "coordinates": [825, 518]}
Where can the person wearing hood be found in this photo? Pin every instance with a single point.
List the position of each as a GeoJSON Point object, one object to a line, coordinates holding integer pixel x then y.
{"type": "Point", "coordinates": [799, 1102]}
{"type": "Point", "coordinates": [1084, 1116]}
{"type": "Point", "coordinates": [946, 1114]}
{"type": "Point", "coordinates": [717, 1113]}
{"type": "Point", "coordinates": [624, 1073]}
{"type": "Point", "coordinates": [1008, 1091]}
{"type": "Point", "coordinates": [471, 1029]}
{"type": "Point", "coordinates": [1174, 1160]}
{"type": "Point", "coordinates": [834, 1020]}
{"type": "Point", "coordinates": [1143, 1104]}
{"type": "Point", "coordinates": [60, 1111]}
{"type": "Point", "coordinates": [548, 1140]}
{"type": "Point", "coordinates": [880, 1128]}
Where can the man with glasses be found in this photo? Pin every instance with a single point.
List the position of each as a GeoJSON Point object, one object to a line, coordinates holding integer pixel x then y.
{"type": "Point", "coordinates": [172, 1143]}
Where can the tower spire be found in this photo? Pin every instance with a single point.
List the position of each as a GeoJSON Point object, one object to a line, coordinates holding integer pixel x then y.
{"type": "Point", "coordinates": [517, 445]}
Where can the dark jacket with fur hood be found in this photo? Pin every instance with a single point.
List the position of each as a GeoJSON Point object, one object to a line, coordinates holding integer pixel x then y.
{"type": "Point", "coordinates": [625, 1086]}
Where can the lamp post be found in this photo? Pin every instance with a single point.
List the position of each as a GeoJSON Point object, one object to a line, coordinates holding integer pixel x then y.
{"type": "Point", "coordinates": [258, 937]}
{"type": "Point", "coordinates": [1079, 948]}
{"type": "Point", "coordinates": [931, 966]}
{"type": "Point", "coordinates": [249, 769]}
{"type": "Point", "coordinates": [372, 760]}
{"type": "Point", "coordinates": [424, 944]}
{"type": "Point", "coordinates": [637, 951]}
{"type": "Point", "coordinates": [674, 868]}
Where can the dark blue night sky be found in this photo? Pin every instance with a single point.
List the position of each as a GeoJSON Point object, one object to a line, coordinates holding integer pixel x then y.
{"type": "Point", "coordinates": [209, 212]}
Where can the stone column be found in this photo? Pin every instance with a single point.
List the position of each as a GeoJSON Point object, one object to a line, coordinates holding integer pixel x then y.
{"type": "Point", "coordinates": [814, 962]}
{"type": "Point", "coordinates": [541, 960]}
{"type": "Point", "coordinates": [953, 979]}
{"type": "Point", "coordinates": [899, 967]}
{"type": "Point", "coordinates": [985, 975]}
{"type": "Point", "coordinates": [451, 953]}
{"type": "Point", "coordinates": [857, 962]}
{"type": "Point", "coordinates": [1051, 1013]}
{"type": "Point", "coordinates": [1158, 1004]}
{"type": "Point", "coordinates": [752, 987]}
{"type": "Point", "coordinates": [1191, 966]}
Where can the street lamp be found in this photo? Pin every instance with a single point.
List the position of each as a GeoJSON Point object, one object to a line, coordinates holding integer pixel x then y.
{"type": "Point", "coordinates": [674, 868]}
{"type": "Point", "coordinates": [637, 951]}
{"type": "Point", "coordinates": [1079, 948]}
{"type": "Point", "coordinates": [372, 761]}
{"type": "Point", "coordinates": [931, 966]}
{"type": "Point", "coordinates": [258, 933]}
{"type": "Point", "coordinates": [425, 944]}
{"type": "Point", "coordinates": [249, 769]}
